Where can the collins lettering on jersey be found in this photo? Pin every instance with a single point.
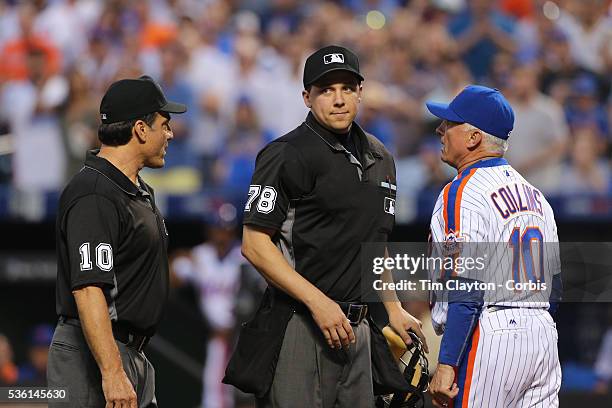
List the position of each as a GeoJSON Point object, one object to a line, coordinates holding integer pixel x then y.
{"type": "Point", "coordinates": [515, 199]}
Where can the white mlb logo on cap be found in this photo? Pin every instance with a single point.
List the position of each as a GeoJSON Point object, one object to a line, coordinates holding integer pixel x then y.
{"type": "Point", "coordinates": [331, 58]}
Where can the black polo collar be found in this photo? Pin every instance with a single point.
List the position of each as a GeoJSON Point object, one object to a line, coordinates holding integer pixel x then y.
{"type": "Point", "coordinates": [108, 170]}
{"type": "Point", "coordinates": [369, 150]}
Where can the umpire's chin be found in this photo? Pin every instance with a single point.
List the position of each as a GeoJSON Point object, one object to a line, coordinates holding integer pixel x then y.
{"type": "Point", "coordinates": [156, 157]}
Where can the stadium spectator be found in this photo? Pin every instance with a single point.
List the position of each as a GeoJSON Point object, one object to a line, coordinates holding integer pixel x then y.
{"type": "Point", "coordinates": [31, 106]}
{"type": "Point", "coordinates": [79, 120]}
{"type": "Point", "coordinates": [534, 28]}
{"type": "Point", "coordinates": [66, 24]}
{"type": "Point", "coordinates": [245, 138]}
{"type": "Point", "coordinates": [209, 74]}
{"type": "Point", "coordinates": [34, 372]}
{"type": "Point", "coordinates": [454, 77]}
{"type": "Point", "coordinates": [587, 172]}
{"type": "Point", "coordinates": [153, 32]}
{"type": "Point", "coordinates": [583, 107]}
{"type": "Point", "coordinates": [501, 70]}
{"type": "Point", "coordinates": [177, 88]}
{"type": "Point", "coordinates": [540, 131]}
{"type": "Point", "coordinates": [16, 52]}
{"type": "Point", "coordinates": [481, 31]}
{"type": "Point", "coordinates": [292, 50]}
{"type": "Point", "coordinates": [424, 174]}
{"type": "Point", "coordinates": [283, 13]}
{"type": "Point", "coordinates": [251, 78]}
{"type": "Point", "coordinates": [100, 62]}
{"type": "Point", "coordinates": [589, 31]}
{"type": "Point", "coordinates": [9, 373]}
{"type": "Point", "coordinates": [560, 70]}
{"type": "Point", "coordinates": [373, 116]}
{"type": "Point", "coordinates": [404, 86]}
{"type": "Point", "coordinates": [436, 173]}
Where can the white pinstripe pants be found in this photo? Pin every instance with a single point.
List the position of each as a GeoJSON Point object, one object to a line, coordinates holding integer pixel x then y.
{"type": "Point", "coordinates": [513, 361]}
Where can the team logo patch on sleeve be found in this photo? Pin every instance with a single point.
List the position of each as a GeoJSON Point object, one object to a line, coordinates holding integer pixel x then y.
{"type": "Point", "coordinates": [390, 205]}
{"type": "Point", "coordinates": [453, 244]}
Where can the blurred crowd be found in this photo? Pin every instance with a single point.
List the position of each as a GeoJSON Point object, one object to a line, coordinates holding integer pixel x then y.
{"type": "Point", "coordinates": [237, 64]}
{"type": "Point", "coordinates": [31, 370]}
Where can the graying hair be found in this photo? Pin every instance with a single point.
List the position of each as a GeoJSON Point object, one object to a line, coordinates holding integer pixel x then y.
{"type": "Point", "coordinates": [492, 143]}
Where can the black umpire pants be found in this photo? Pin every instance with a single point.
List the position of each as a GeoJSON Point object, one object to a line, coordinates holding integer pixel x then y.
{"type": "Point", "coordinates": [72, 366]}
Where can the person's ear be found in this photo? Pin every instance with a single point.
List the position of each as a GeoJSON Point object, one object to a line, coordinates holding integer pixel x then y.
{"type": "Point", "coordinates": [140, 131]}
{"type": "Point", "coordinates": [306, 97]}
{"type": "Point", "coordinates": [474, 139]}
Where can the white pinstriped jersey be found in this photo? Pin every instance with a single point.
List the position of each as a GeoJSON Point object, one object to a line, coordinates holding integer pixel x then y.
{"type": "Point", "coordinates": [493, 204]}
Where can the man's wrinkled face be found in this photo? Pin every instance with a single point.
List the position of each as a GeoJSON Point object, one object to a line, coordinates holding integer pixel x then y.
{"type": "Point", "coordinates": [453, 137]}
{"type": "Point", "coordinates": [334, 100]}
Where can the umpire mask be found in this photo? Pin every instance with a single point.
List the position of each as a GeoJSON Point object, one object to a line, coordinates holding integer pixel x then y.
{"type": "Point", "coordinates": [413, 365]}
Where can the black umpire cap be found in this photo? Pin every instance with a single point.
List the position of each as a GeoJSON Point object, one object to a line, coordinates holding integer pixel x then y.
{"type": "Point", "coordinates": [328, 59]}
{"type": "Point", "coordinates": [129, 99]}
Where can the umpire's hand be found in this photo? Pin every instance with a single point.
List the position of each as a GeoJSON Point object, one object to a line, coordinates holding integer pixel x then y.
{"type": "Point", "coordinates": [401, 321]}
{"type": "Point", "coordinates": [118, 390]}
{"type": "Point", "coordinates": [332, 322]}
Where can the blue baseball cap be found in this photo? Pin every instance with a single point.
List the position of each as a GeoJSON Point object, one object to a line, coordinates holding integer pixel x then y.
{"type": "Point", "coordinates": [584, 85]}
{"type": "Point", "coordinates": [483, 107]}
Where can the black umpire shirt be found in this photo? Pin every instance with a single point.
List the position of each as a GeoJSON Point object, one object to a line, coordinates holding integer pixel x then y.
{"type": "Point", "coordinates": [109, 233]}
{"type": "Point", "coordinates": [324, 202]}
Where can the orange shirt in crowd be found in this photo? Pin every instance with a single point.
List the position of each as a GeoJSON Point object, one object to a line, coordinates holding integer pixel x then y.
{"type": "Point", "coordinates": [157, 35]}
{"type": "Point", "coordinates": [519, 9]}
{"type": "Point", "coordinates": [14, 57]}
{"type": "Point", "coordinates": [9, 373]}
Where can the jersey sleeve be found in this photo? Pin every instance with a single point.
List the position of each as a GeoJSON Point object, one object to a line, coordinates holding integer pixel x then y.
{"type": "Point", "coordinates": [280, 176]}
{"type": "Point", "coordinates": [92, 231]}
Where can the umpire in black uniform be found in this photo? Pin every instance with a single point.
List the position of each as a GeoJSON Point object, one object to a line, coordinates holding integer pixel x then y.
{"type": "Point", "coordinates": [112, 278]}
{"type": "Point", "coordinates": [318, 193]}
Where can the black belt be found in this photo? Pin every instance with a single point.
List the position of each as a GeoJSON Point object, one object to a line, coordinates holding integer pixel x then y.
{"type": "Point", "coordinates": [497, 308]}
{"type": "Point", "coordinates": [354, 312]}
{"type": "Point", "coordinates": [136, 341]}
